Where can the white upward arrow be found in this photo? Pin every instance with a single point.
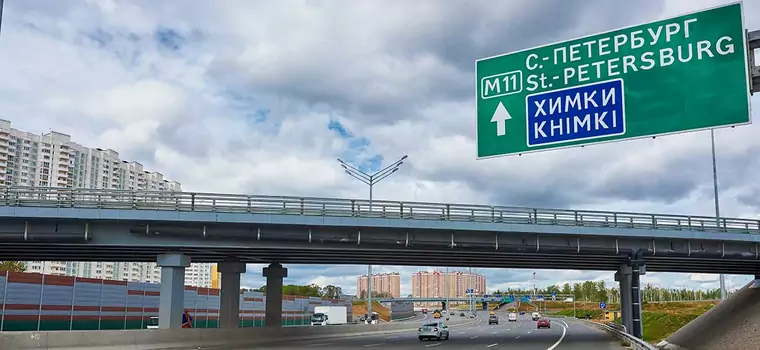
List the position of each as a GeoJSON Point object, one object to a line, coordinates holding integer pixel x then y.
{"type": "Point", "coordinates": [500, 117]}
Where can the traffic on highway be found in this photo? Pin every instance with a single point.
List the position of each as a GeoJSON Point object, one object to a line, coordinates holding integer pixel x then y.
{"type": "Point", "coordinates": [463, 332]}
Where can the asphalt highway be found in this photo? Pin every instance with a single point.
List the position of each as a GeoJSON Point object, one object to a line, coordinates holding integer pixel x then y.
{"type": "Point", "coordinates": [565, 334]}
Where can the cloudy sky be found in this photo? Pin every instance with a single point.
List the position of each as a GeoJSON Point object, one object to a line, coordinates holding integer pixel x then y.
{"type": "Point", "coordinates": [261, 97]}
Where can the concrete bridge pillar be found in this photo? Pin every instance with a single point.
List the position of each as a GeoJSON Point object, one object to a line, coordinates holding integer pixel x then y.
{"type": "Point", "coordinates": [623, 276]}
{"type": "Point", "coordinates": [274, 274]}
{"type": "Point", "coordinates": [171, 306]}
{"type": "Point", "coordinates": [229, 305]}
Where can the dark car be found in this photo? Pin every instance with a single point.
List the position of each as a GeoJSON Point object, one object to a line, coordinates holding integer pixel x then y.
{"type": "Point", "coordinates": [461, 314]}
{"type": "Point", "coordinates": [522, 312]}
{"type": "Point", "coordinates": [493, 320]}
{"type": "Point", "coordinates": [543, 322]}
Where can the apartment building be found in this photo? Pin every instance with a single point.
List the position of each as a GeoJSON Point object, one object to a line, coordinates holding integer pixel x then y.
{"type": "Point", "coordinates": [199, 275]}
{"type": "Point", "coordinates": [433, 284]}
{"type": "Point", "coordinates": [54, 160]}
{"type": "Point", "coordinates": [385, 284]}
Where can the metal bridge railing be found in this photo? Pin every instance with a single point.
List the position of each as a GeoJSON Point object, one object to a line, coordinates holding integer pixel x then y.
{"type": "Point", "coordinates": [236, 203]}
{"type": "Point", "coordinates": [619, 332]}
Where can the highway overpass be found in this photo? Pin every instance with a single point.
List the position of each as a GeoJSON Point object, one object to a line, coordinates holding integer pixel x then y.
{"type": "Point", "coordinates": [91, 224]}
{"type": "Point", "coordinates": [176, 228]}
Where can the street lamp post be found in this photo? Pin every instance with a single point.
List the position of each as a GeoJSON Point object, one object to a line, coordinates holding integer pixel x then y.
{"type": "Point", "coordinates": [370, 180]}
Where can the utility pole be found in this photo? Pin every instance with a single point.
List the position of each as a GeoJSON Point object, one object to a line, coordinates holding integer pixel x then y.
{"type": "Point", "coordinates": [371, 180]}
{"type": "Point", "coordinates": [448, 307]}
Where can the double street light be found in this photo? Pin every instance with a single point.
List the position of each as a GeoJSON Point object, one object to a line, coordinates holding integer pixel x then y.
{"type": "Point", "coordinates": [371, 180]}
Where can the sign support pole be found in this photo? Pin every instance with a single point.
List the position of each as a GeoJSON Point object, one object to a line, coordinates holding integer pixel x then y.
{"type": "Point", "coordinates": [717, 206]}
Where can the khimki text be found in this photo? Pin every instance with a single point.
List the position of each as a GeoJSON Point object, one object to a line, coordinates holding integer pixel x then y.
{"type": "Point", "coordinates": [578, 113]}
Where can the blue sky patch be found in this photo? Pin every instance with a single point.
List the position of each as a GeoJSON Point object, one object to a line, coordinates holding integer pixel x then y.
{"type": "Point", "coordinates": [169, 39]}
{"type": "Point", "coordinates": [356, 154]}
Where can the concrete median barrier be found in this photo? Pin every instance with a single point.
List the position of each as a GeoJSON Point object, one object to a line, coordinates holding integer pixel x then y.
{"type": "Point", "coordinates": [194, 338]}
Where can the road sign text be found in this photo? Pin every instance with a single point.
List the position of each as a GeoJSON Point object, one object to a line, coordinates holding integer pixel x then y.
{"type": "Point", "coordinates": [578, 113]}
{"type": "Point", "coordinates": [681, 74]}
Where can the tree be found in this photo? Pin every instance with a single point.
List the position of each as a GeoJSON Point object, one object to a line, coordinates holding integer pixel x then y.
{"type": "Point", "coordinates": [12, 266]}
{"type": "Point", "coordinates": [311, 290]}
{"type": "Point", "coordinates": [363, 294]}
{"type": "Point", "coordinates": [331, 291]}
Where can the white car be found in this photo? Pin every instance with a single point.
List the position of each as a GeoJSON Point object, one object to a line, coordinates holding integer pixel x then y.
{"type": "Point", "coordinates": [512, 317]}
{"type": "Point", "coordinates": [535, 316]}
{"type": "Point", "coordinates": [433, 330]}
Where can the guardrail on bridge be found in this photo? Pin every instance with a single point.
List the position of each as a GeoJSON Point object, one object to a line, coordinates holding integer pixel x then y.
{"type": "Point", "coordinates": [237, 203]}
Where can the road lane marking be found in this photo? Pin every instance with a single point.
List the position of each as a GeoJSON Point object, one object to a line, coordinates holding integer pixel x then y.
{"type": "Point", "coordinates": [492, 345]}
{"type": "Point", "coordinates": [462, 332]}
{"type": "Point", "coordinates": [564, 331]}
{"type": "Point", "coordinates": [431, 345]}
{"type": "Point", "coordinates": [529, 332]}
{"type": "Point", "coordinates": [517, 337]}
{"type": "Point", "coordinates": [494, 332]}
{"type": "Point", "coordinates": [474, 337]}
{"type": "Point", "coordinates": [320, 344]}
{"type": "Point", "coordinates": [378, 344]}
{"type": "Point", "coordinates": [393, 337]}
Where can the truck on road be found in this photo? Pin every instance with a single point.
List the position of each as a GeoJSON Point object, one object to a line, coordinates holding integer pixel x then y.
{"type": "Point", "coordinates": [328, 315]}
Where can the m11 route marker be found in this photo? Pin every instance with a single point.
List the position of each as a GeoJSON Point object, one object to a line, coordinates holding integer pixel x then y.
{"type": "Point", "coordinates": [681, 74]}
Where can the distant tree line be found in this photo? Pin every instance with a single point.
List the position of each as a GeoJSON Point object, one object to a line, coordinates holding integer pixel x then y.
{"type": "Point", "coordinates": [311, 290]}
{"type": "Point", "coordinates": [595, 291]}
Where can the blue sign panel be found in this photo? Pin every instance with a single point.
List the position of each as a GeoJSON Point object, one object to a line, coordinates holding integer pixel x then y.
{"type": "Point", "coordinates": [577, 113]}
{"type": "Point", "coordinates": [602, 305]}
{"type": "Point", "coordinates": [554, 294]}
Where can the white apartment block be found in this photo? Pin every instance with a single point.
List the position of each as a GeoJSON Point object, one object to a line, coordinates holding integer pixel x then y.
{"type": "Point", "coordinates": [53, 160]}
{"type": "Point", "coordinates": [198, 275]}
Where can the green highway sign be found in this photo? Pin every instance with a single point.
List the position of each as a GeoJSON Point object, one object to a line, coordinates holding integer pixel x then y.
{"type": "Point", "coordinates": [681, 74]}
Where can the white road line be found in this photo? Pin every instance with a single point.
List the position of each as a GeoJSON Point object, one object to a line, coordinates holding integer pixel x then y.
{"type": "Point", "coordinates": [378, 344]}
{"type": "Point", "coordinates": [393, 337]}
{"type": "Point", "coordinates": [474, 337]}
{"type": "Point", "coordinates": [529, 332]}
{"type": "Point", "coordinates": [492, 345]}
{"type": "Point", "coordinates": [320, 344]}
{"type": "Point", "coordinates": [431, 345]}
{"type": "Point", "coordinates": [495, 332]}
{"type": "Point", "coordinates": [462, 332]}
{"type": "Point", "coordinates": [564, 331]}
{"type": "Point", "coordinates": [517, 337]}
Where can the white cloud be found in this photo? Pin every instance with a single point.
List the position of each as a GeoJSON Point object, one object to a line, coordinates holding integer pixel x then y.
{"type": "Point", "coordinates": [222, 103]}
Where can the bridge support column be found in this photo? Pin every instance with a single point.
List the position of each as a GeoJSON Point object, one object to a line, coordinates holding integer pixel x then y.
{"type": "Point", "coordinates": [274, 274]}
{"type": "Point", "coordinates": [171, 306]}
{"type": "Point", "coordinates": [636, 271]}
{"type": "Point", "coordinates": [623, 276]}
{"type": "Point", "coordinates": [229, 303]}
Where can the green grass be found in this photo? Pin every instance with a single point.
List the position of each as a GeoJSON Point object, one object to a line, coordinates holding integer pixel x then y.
{"type": "Point", "coordinates": [660, 320]}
